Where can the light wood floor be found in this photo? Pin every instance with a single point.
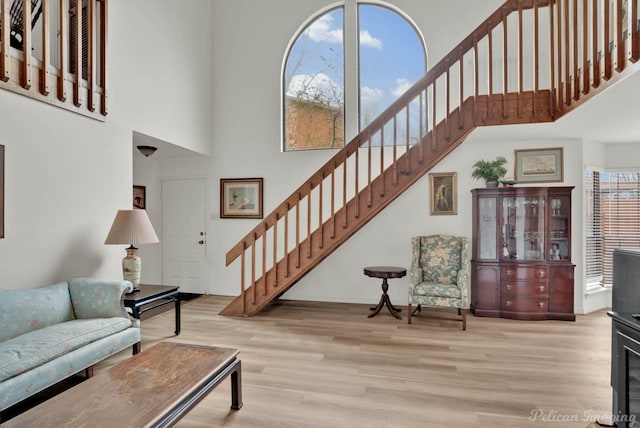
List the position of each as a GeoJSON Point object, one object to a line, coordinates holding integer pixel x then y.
{"type": "Point", "coordinates": [327, 365]}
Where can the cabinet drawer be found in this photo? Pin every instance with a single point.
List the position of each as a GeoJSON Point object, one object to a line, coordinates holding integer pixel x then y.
{"type": "Point", "coordinates": [524, 288]}
{"type": "Point", "coordinates": [523, 272]}
{"type": "Point", "coordinates": [524, 304]}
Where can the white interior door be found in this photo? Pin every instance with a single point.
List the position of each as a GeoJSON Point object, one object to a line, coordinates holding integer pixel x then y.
{"type": "Point", "coordinates": [184, 234]}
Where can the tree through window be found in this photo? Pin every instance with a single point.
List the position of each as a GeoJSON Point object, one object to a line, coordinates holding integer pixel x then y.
{"type": "Point", "coordinates": [391, 57]}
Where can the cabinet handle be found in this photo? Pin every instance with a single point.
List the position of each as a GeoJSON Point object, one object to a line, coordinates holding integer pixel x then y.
{"type": "Point", "coordinates": [541, 304]}
{"type": "Point", "coordinates": [509, 287]}
{"type": "Point", "coordinates": [541, 273]}
{"type": "Point", "coordinates": [541, 288]}
{"type": "Point", "coordinates": [508, 303]}
{"type": "Point", "coordinates": [509, 272]}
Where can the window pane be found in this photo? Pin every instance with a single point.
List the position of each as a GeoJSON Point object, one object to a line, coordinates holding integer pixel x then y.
{"type": "Point", "coordinates": [314, 82]}
{"type": "Point", "coordinates": [620, 199]}
{"type": "Point", "coordinates": [392, 59]}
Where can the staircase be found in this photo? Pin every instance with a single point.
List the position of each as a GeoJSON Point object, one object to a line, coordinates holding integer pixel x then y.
{"type": "Point", "coordinates": [531, 61]}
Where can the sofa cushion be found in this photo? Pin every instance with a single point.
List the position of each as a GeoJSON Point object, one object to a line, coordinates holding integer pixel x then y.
{"type": "Point", "coordinates": [22, 311]}
{"type": "Point", "coordinates": [35, 348]}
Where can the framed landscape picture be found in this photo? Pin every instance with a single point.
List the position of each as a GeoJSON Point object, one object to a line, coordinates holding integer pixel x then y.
{"type": "Point", "coordinates": [241, 198]}
{"type": "Point", "coordinates": [444, 197]}
{"type": "Point", "coordinates": [539, 165]}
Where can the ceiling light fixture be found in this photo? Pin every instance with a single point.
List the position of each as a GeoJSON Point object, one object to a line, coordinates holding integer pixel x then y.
{"type": "Point", "coordinates": [147, 150]}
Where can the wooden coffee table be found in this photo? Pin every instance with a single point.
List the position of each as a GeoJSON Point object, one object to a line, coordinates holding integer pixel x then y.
{"type": "Point", "coordinates": [154, 388]}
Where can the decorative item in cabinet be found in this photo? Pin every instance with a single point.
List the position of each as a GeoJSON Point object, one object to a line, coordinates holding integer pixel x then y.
{"type": "Point", "coordinates": [521, 260]}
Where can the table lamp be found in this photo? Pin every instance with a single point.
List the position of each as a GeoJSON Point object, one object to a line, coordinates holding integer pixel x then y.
{"type": "Point", "coordinates": [132, 227]}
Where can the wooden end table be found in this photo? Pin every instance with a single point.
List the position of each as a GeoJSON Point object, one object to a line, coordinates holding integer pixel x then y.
{"type": "Point", "coordinates": [153, 296]}
{"type": "Point", "coordinates": [154, 388]}
{"type": "Point", "coordinates": [385, 272]}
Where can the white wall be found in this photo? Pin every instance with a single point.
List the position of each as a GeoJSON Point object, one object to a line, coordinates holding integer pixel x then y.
{"type": "Point", "coordinates": [160, 69]}
{"type": "Point", "coordinates": [246, 138]}
{"type": "Point", "coordinates": [246, 143]}
{"type": "Point", "coordinates": [67, 175]}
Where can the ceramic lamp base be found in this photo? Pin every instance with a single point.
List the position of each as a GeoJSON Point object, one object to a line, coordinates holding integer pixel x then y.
{"type": "Point", "coordinates": [131, 267]}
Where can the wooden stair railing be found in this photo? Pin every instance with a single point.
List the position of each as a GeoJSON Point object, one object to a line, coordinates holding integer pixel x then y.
{"type": "Point", "coordinates": [570, 48]}
{"type": "Point", "coordinates": [82, 30]}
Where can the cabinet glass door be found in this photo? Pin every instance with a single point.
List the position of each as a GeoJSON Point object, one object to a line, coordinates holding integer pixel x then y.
{"type": "Point", "coordinates": [523, 229]}
{"type": "Point", "coordinates": [487, 225]}
{"type": "Point", "coordinates": [559, 246]}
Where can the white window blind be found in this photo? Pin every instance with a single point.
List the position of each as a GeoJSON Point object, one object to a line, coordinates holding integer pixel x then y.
{"type": "Point", "coordinates": [612, 220]}
{"type": "Point", "coordinates": [593, 230]}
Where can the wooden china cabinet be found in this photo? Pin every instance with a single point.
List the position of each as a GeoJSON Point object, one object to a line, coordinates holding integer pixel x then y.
{"type": "Point", "coordinates": [521, 261]}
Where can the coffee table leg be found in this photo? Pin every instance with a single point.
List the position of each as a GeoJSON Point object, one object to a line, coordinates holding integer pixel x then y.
{"type": "Point", "coordinates": [236, 387]}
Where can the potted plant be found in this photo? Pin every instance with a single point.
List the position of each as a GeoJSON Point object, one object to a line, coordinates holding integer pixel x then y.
{"type": "Point", "coordinates": [490, 171]}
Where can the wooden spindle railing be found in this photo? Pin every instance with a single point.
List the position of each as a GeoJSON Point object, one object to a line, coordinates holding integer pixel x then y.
{"type": "Point", "coordinates": [429, 120]}
{"type": "Point", "coordinates": [49, 77]}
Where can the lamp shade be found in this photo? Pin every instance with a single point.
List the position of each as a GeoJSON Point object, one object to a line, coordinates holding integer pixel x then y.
{"type": "Point", "coordinates": [131, 227]}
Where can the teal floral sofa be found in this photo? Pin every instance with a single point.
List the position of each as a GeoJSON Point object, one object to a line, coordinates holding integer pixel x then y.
{"type": "Point", "coordinates": [440, 275]}
{"type": "Point", "coordinates": [50, 333]}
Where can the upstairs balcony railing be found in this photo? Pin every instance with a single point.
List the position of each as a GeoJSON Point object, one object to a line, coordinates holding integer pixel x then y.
{"type": "Point", "coordinates": [55, 51]}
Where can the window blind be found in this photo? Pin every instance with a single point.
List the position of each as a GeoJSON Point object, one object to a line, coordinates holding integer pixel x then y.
{"type": "Point", "coordinates": [612, 220]}
{"type": "Point", "coordinates": [593, 230]}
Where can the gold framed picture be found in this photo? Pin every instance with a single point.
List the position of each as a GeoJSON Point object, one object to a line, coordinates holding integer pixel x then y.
{"type": "Point", "coordinates": [444, 193]}
{"type": "Point", "coordinates": [539, 165]}
{"type": "Point", "coordinates": [241, 198]}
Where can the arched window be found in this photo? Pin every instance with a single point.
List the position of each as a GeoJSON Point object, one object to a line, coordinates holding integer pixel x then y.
{"type": "Point", "coordinates": [327, 91]}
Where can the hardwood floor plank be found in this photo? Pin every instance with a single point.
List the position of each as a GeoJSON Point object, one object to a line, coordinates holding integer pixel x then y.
{"type": "Point", "coordinates": [310, 364]}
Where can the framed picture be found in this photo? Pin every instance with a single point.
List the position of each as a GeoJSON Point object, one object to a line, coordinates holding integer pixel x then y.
{"type": "Point", "coordinates": [1, 191]}
{"type": "Point", "coordinates": [539, 165]}
{"type": "Point", "coordinates": [444, 194]}
{"type": "Point", "coordinates": [241, 198]}
{"type": "Point", "coordinates": [140, 197]}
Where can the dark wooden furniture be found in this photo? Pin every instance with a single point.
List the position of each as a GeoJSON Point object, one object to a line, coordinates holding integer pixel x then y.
{"type": "Point", "coordinates": [155, 388]}
{"type": "Point", "coordinates": [385, 272]}
{"type": "Point", "coordinates": [625, 368]}
{"type": "Point", "coordinates": [625, 338]}
{"type": "Point", "coordinates": [151, 297]}
{"type": "Point", "coordinates": [521, 262]}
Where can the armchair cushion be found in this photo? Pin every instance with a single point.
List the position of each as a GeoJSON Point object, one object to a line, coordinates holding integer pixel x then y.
{"type": "Point", "coordinates": [437, 290]}
{"type": "Point", "coordinates": [440, 259]}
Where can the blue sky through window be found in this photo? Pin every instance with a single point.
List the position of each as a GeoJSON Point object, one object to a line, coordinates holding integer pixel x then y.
{"type": "Point", "coordinates": [391, 59]}
{"type": "Point", "coordinates": [389, 66]}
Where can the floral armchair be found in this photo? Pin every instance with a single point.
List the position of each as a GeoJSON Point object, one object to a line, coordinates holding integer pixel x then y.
{"type": "Point", "coordinates": [440, 275]}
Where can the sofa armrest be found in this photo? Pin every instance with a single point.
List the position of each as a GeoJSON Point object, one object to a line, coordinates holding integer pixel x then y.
{"type": "Point", "coordinates": [98, 298]}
